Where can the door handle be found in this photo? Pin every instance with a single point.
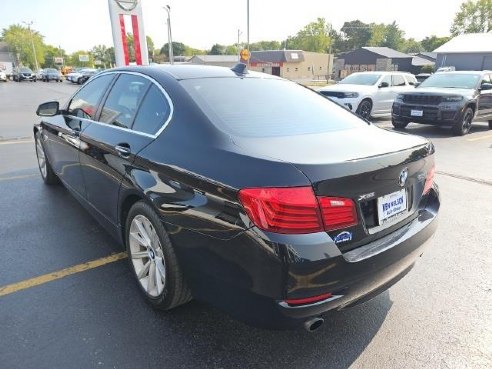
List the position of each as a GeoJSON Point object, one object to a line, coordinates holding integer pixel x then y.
{"type": "Point", "coordinates": [123, 150]}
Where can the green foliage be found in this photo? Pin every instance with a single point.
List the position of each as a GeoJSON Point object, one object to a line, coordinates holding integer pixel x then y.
{"type": "Point", "coordinates": [20, 42]}
{"type": "Point", "coordinates": [104, 54]}
{"type": "Point", "coordinates": [412, 46]}
{"type": "Point", "coordinates": [265, 45]}
{"type": "Point", "coordinates": [178, 49]}
{"type": "Point", "coordinates": [473, 17]}
{"type": "Point", "coordinates": [356, 34]}
{"type": "Point", "coordinates": [427, 69]}
{"type": "Point", "coordinates": [313, 37]}
{"type": "Point", "coordinates": [73, 59]}
{"type": "Point", "coordinates": [217, 49]}
{"type": "Point", "coordinates": [50, 53]}
{"type": "Point", "coordinates": [433, 42]}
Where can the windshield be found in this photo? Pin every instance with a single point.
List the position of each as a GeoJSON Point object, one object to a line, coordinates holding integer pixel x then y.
{"type": "Point", "coordinates": [257, 107]}
{"type": "Point", "coordinates": [367, 79]}
{"type": "Point", "coordinates": [452, 80]}
{"type": "Point", "coordinates": [51, 70]}
{"type": "Point", "coordinates": [25, 70]}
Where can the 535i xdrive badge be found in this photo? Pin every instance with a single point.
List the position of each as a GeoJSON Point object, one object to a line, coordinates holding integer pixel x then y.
{"type": "Point", "coordinates": [237, 188]}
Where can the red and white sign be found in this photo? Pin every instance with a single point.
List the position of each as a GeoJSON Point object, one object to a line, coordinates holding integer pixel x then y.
{"type": "Point", "coordinates": [118, 11]}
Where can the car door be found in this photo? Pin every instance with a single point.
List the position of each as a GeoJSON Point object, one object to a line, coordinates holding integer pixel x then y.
{"type": "Point", "coordinates": [382, 96]}
{"type": "Point", "coordinates": [111, 144]}
{"type": "Point", "coordinates": [485, 99]}
{"type": "Point", "coordinates": [61, 133]}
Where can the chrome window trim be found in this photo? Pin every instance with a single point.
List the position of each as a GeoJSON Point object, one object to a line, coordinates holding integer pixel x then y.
{"type": "Point", "coordinates": [153, 81]}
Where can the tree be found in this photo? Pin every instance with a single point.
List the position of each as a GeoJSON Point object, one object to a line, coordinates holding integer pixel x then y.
{"type": "Point", "coordinates": [315, 37]}
{"type": "Point", "coordinates": [178, 49]}
{"type": "Point", "coordinates": [50, 53]}
{"type": "Point", "coordinates": [394, 37]}
{"type": "Point", "coordinates": [150, 47]}
{"type": "Point", "coordinates": [412, 46]}
{"type": "Point", "coordinates": [265, 45]}
{"type": "Point", "coordinates": [104, 54]}
{"type": "Point", "coordinates": [433, 42]}
{"type": "Point", "coordinates": [19, 40]}
{"type": "Point", "coordinates": [74, 59]}
{"type": "Point", "coordinates": [217, 49]}
{"type": "Point", "coordinates": [473, 17]}
{"type": "Point", "coordinates": [354, 34]}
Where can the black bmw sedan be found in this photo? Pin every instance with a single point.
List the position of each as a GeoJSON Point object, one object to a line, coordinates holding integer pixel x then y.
{"type": "Point", "coordinates": [243, 190]}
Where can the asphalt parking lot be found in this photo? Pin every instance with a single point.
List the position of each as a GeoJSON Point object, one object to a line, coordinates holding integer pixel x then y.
{"type": "Point", "coordinates": [68, 300]}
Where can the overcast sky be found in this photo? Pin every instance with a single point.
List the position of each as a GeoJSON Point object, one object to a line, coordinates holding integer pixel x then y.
{"type": "Point", "coordinates": [76, 25]}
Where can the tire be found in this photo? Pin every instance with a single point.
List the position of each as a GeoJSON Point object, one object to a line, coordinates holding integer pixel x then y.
{"type": "Point", "coordinates": [490, 124]}
{"type": "Point", "coordinates": [47, 174]}
{"type": "Point", "coordinates": [78, 81]}
{"type": "Point", "coordinates": [144, 224]}
{"type": "Point", "coordinates": [399, 124]}
{"type": "Point", "coordinates": [364, 109]}
{"type": "Point", "coordinates": [463, 126]}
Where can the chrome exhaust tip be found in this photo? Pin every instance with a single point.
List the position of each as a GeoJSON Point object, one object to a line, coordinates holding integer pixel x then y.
{"type": "Point", "coordinates": [313, 324]}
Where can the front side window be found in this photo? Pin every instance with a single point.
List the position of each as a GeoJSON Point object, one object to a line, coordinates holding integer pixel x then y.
{"type": "Point", "coordinates": [386, 79]}
{"type": "Point", "coordinates": [84, 103]}
{"type": "Point", "coordinates": [412, 81]}
{"type": "Point", "coordinates": [153, 112]}
{"type": "Point", "coordinates": [123, 100]}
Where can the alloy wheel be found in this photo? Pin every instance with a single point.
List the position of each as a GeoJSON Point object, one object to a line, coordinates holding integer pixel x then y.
{"type": "Point", "coordinates": [147, 256]}
{"type": "Point", "coordinates": [41, 158]}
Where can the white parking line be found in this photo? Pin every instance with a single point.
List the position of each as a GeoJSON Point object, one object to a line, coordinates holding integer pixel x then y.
{"type": "Point", "coordinates": [14, 142]}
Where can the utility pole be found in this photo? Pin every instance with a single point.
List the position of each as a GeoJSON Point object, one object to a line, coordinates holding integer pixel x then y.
{"type": "Point", "coordinates": [169, 35]}
{"type": "Point", "coordinates": [29, 24]}
{"type": "Point", "coordinates": [247, 27]}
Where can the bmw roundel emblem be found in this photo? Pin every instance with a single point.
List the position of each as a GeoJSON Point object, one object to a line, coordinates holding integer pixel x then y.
{"type": "Point", "coordinates": [403, 177]}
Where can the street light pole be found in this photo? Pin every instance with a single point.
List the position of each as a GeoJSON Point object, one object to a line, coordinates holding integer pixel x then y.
{"type": "Point", "coordinates": [247, 25]}
{"type": "Point", "coordinates": [169, 35]}
{"type": "Point", "coordinates": [29, 24]}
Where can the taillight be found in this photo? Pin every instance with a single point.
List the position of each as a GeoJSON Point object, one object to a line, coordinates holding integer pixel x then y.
{"type": "Point", "coordinates": [337, 212]}
{"type": "Point", "coordinates": [429, 180]}
{"type": "Point", "coordinates": [282, 210]}
{"type": "Point", "coordinates": [296, 210]}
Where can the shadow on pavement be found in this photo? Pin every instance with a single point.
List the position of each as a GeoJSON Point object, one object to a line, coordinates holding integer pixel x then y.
{"type": "Point", "coordinates": [436, 132]}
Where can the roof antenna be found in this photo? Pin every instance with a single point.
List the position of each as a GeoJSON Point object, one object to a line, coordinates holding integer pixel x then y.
{"type": "Point", "coordinates": [240, 69]}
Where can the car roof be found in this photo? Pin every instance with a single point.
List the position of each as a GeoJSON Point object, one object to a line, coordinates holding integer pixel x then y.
{"type": "Point", "coordinates": [189, 71]}
{"type": "Point", "coordinates": [382, 72]}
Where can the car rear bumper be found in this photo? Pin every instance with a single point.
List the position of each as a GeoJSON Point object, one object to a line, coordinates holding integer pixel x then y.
{"type": "Point", "coordinates": [251, 279]}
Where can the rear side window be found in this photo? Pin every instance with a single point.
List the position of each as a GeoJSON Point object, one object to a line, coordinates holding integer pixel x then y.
{"type": "Point", "coordinates": [84, 103]}
{"type": "Point", "coordinates": [122, 102]}
{"type": "Point", "coordinates": [267, 107]}
{"type": "Point", "coordinates": [412, 81]}
{"type": "Point", "coordinates": [398, 80]}
{"type": "Point", "coordinates": [153, 112]}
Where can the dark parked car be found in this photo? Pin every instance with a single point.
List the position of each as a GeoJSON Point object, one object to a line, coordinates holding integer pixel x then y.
{"type": "Point", "coordinates": [51, 74]}
{"type": "Point", "coordinates": [85, 75]}
{"type": "Point", "coordinates": [452, 99]}
{"type": "Point", "coordinates": [244, 190]}
{"type": "Point", "coordinates": [23, 74]}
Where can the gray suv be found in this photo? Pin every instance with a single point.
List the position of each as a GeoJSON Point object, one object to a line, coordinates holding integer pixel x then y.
{"type": "Point", "coordinates": [452, 99]}
{"type": "Point", "coordinates": [23, 74]}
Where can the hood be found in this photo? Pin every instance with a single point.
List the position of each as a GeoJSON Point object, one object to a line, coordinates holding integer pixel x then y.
{"type": "Point", "coordinates": [349, 88]}
{"type": "Point", "coordinates": [439, 91]}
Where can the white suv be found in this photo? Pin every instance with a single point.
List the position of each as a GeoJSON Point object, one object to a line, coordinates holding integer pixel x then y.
{"type": "Point", "coordinates": [370, 94]}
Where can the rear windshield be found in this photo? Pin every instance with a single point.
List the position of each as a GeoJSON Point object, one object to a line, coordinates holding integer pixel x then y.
{"type": "Point", "coordinates": [367, 79]}
{"type": "Point", "coordinates": [452, 80]}
{"type": "Point", "coordinates": [256, 107]}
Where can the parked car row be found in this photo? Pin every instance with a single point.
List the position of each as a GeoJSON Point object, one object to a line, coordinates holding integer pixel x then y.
{"type": "Point", "coordinates": [446, 98]}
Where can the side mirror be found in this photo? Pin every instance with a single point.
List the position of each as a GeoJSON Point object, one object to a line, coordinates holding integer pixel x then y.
{"type": "Point", "coordinates": [48, 109]}
{"type": "Point", "coordinates": [383, 85]}
{"type": "Point", "coordinates": [486, 87]}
